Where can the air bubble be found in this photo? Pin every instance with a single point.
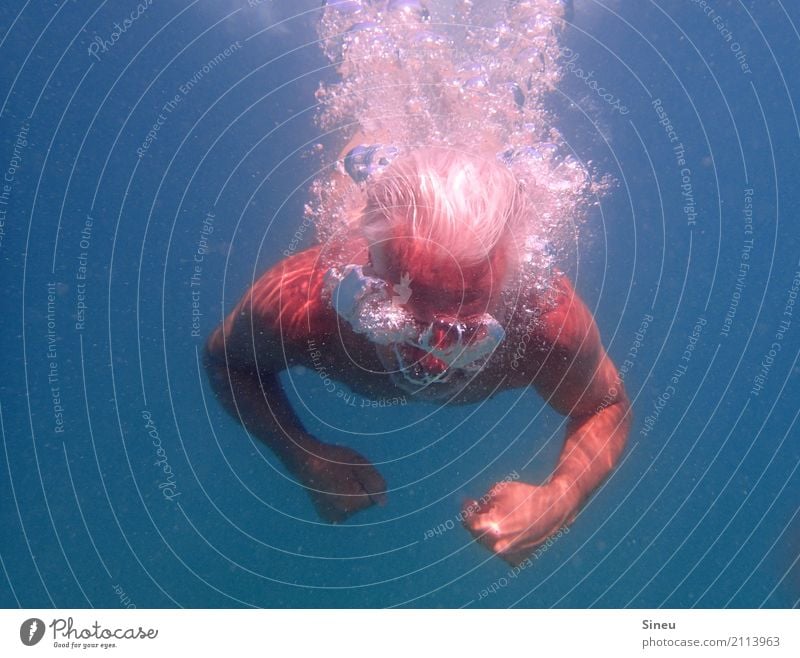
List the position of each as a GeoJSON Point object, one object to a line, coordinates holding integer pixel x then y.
{"type": "Point", "coordinates": [478, 83]}
{"type": "Point", "coordinates": [530, 56]}
{"type": "Point", "coordinates": [345, 7]}
{"type": "Point", "coordinates": [363, 162]}
{"type": "Point", "coordinates": [522, 9]}
{"type": "Point", "coordinates": [515, 155]}
{"type": "Point", "coordinates": [470, 71]}
{"type": "Point", "coordinates": [409, 8]}
{"type": "Point", "coordinates": [516, 93]}
{"type": "Point", "coordinates": [430, 39]}
{"type": "Point", "coordinates": [549, 149]}
{"type": "Point", "coordinates": [362, 27]}
{"type": "Point", "coordinates": [449, 74]}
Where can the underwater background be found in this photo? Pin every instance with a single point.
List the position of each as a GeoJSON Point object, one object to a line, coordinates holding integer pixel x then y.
{"type": "Point", "coordinates": [158, 155]}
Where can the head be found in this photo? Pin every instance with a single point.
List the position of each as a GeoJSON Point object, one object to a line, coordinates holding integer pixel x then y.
{"type": "Point", "coordinates": [443, 219]}
{"type": "Point", "coordinates": [439, 226]}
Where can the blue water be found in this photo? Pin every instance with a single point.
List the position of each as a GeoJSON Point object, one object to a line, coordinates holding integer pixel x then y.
{"type": "Point", "coordinates": [703, 511]}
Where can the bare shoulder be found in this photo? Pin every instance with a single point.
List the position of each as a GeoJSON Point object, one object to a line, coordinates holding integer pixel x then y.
{"type": "Point", "coordinates": [556, 333]}
{"type": "Point", "coordinates": [566, 324]}
{"type": "Point", "coordinates": [281, 312]}
{"type": "Point", "coordinates": [287, 299]}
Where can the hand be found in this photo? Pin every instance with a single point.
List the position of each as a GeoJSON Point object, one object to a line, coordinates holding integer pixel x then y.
{"type": "Point", "coordinates": [514, 517]}
{"type": "Point", "coordinates": [341, 482]}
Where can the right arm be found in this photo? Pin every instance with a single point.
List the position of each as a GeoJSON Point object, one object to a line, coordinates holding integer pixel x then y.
{"type": "Point", "coordinates": [269, 330]}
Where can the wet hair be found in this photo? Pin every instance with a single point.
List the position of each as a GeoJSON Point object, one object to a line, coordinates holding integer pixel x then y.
{"type": "Point", "coordinates": [458, 204]}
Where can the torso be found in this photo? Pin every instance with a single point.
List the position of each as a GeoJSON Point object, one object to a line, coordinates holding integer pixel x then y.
{"type": "Point", "coordinates": [295, 325]}
{"type": "Point", "coordinates": [352, 359]}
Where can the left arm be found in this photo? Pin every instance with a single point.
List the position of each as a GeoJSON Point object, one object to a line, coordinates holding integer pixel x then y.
{"type": "Point", "coordinates": [580, 381]}
{"type": "Point", "coordinates": [569, 367]}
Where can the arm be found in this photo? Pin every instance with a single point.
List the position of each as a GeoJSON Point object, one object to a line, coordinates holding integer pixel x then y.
{"type": "Point", "coordinates": [580, 381]}
{"type": "Point", "coordinates": [269, 330]}
{"type": "Point", "coordinates": [569, 367]}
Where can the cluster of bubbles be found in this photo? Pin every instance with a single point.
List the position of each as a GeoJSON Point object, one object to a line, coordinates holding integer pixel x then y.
{"type": "Point", "coordinates": [467, 74]}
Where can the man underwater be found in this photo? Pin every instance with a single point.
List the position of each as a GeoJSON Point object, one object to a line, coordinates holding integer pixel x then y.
{"type": "Point", "coordinates": [427, 301]}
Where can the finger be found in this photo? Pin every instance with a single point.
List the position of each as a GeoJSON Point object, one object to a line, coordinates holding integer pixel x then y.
{"type": "Point", "coordinates": [472, 508]}
{"type": "Point", "coordinates": [469, 508]}
{"type": "Point", "coordinates": [485, 523]}
{"type": "Point", "coordinates": [373, 484]}
{"type": "Point", "coordinates": [489, 541]}
{"type": "Point", "coordinates": [503, 547]}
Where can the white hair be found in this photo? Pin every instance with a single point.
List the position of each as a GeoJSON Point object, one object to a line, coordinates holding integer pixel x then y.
{"type": "Point", "coordinates": [462, 204]}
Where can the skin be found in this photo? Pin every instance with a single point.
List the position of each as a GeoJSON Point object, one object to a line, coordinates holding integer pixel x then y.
{"type": "Point", "coordinates": [284, 318]}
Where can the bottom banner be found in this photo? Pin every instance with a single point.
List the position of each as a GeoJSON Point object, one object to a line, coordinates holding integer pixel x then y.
{"type": "Point", "coordinates": [390, 633]}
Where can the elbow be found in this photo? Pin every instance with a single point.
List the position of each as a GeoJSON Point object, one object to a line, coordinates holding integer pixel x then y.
{"type": "Point", "coordinates": [613, 406]}
{"type": "Point", "coordinates": [625, 415]}
{"type": "Point", "coordinates": [620, 417]}
{"type": "Point", "coordinates": [623, 401]}
{"type": "Point", "coordinates": [620, 406]}
{"type": "Point", "coordinates": [614, 398]}
{"type": "Point", "coordinates": [612, 394]}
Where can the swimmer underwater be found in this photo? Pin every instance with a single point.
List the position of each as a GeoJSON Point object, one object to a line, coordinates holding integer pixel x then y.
{"type": "Point", "coordinates": [425, 300]}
